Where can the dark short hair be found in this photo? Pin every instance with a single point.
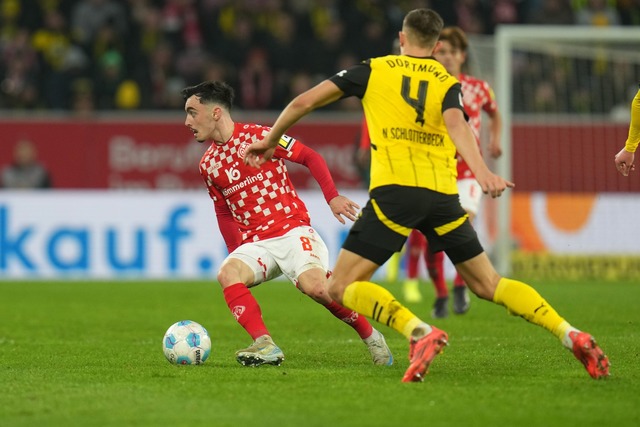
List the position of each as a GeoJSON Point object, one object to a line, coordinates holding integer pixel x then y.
{"type": "Point", "coordinates": [423, 25]}
{"type": "Point", "coordinates": [211, 92]}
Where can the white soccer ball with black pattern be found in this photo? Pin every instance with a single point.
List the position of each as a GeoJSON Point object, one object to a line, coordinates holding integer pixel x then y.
{"type": "Point", "coordinates": [186, 343]}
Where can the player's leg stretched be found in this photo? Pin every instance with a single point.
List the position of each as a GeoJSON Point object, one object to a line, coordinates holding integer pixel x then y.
{"type": "Point", "coordinates": [377, 303]}
{"type": "Point", "coordinates": [522, 300]}
{"type": "Point", "coordinates": [313, 283]}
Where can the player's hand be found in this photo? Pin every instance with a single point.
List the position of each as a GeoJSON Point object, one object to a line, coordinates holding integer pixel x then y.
{"type": "Point", "coordinates": [341, 205]}
{"type": "Point", "coordinates": [624, 162]}
{"type": "Point", "coordinates": [493, 184]}
{"type": "Point", "coordinates": [363, 157]}
{"type": "Point", "coordinates": [259, 153]}
{"type": "Point", "coordinates": [495, 150]}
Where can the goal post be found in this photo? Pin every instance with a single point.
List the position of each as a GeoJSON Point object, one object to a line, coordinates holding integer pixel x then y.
{"type": "Point", "coordinates": [563, 93]}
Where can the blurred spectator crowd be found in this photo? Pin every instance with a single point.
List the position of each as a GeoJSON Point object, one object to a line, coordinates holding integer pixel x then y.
{"type": "Point", "coordinates": [87, 55]}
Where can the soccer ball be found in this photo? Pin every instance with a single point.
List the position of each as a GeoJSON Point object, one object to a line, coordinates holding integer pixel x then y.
{"type": "Point", "coordinates": [186, 343]}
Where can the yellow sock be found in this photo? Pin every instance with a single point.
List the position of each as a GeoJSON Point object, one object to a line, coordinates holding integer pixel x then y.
{"type": "Point", "coordinates": [393, 265]}
{"type": "Point", "coordinates": [524, 301]}
{"type": "Point", "coordinates": [379, 304]}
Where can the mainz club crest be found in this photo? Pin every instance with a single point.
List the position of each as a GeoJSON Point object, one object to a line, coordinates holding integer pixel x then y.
{"type": "Point", "coordinates": [237, 311]}
{"type": "Point", "coordinates": [242, 148]}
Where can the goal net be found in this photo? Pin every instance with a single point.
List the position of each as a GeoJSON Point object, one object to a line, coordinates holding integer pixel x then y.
{"type": "Point", "coordinates": [564, 94]}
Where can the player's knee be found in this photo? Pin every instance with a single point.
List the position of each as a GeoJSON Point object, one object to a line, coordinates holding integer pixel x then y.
{"type": "Point", "coordinates": [318, 292]}
{"type": "Point", "coordinates": [313, 283]}
{"type": "Point", "coordinates": [315, 287]}
{"type": "Point", "coordinates": [224, 277]}
{"type": "Point", "coordinates": [235, 271]}
{"type": "Point", "coordinates": [228, 275]}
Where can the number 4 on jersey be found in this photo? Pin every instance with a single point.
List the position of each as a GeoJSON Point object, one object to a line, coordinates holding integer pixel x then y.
{"type": "Point", "coordinates": [416, 103]}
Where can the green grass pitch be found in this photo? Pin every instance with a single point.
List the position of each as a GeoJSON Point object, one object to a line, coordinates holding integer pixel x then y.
{"type": "Point", "coordinates": [89, 354]}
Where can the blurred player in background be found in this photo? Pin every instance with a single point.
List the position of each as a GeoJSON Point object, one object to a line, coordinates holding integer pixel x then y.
{"type": "Point", "coordinates": [625, 158]}
{"type": "Point", "coordinates": [477, 97]}
{"type": "Point", "coordinates": [265, 226]}
{"type": "Point", "coordinates": [414, 139]}
{"type": "Point", "coordinates": [25, 171]}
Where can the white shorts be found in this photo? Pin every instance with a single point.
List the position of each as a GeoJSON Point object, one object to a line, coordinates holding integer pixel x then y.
{"type": "Point", "coordinates": [470, 193]}
{"type": "Point", "coordinates": [299, 250]}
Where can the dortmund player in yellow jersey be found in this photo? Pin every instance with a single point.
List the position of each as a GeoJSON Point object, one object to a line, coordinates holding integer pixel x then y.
{"type": "Point", "coordinates": [624, 159]}
{"type": "Point", "coordinates": [416, 122]}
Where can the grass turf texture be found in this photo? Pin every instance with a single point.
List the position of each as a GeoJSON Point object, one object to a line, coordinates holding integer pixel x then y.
{"type": "Point", "coordinates": [89, 354]}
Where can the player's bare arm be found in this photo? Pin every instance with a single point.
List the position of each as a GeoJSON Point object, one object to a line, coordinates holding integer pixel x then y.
{"type": "Point", "coordinates": [465, 143]}
{"type": "Point", "coordinates": [318, 96]}
{"type": "Point", "coordinates": [495, 130]}
{"type": "Point", "coordinates": [343, 206]}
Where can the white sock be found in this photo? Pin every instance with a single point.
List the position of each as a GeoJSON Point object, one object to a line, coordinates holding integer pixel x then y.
{"type": "Point", "coordinates": [566, 340]}
{"type": "Point", "coordinates": [421, 330]}
{"type": "Point", "coordinates": [370, 337]}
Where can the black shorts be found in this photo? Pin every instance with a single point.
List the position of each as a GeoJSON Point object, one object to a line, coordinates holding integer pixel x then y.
{"type": "Point", "coordinates": [393, 211]}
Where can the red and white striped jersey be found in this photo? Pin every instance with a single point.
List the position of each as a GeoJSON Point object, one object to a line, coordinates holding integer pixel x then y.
{"type": "Point", "coordinates": [263, 201]}
{"type": "Point", "coordinates": [477, 96]}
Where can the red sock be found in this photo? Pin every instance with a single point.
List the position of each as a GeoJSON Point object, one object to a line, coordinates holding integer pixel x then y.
{"type": "Point", "coordinates": [412, 264]}
{"type": "Point", "coordinates": [245, 309]}
{"type": "Point", "coordinates": [351, 318]}
{"type": "Point", "coordinates": [415, 246]}
{"type": "Point", "coordinates": [435, 267]}
{"type": "Point", "coordinates": [458, 281]}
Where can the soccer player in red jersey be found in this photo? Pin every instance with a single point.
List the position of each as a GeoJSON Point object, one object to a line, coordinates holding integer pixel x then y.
{"type": "Point", "coordinates": [625, 157]}
{"type": "Point", "coordinates": [477, 96]}
{"type": "Point", "coordinates": [264, 223]}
